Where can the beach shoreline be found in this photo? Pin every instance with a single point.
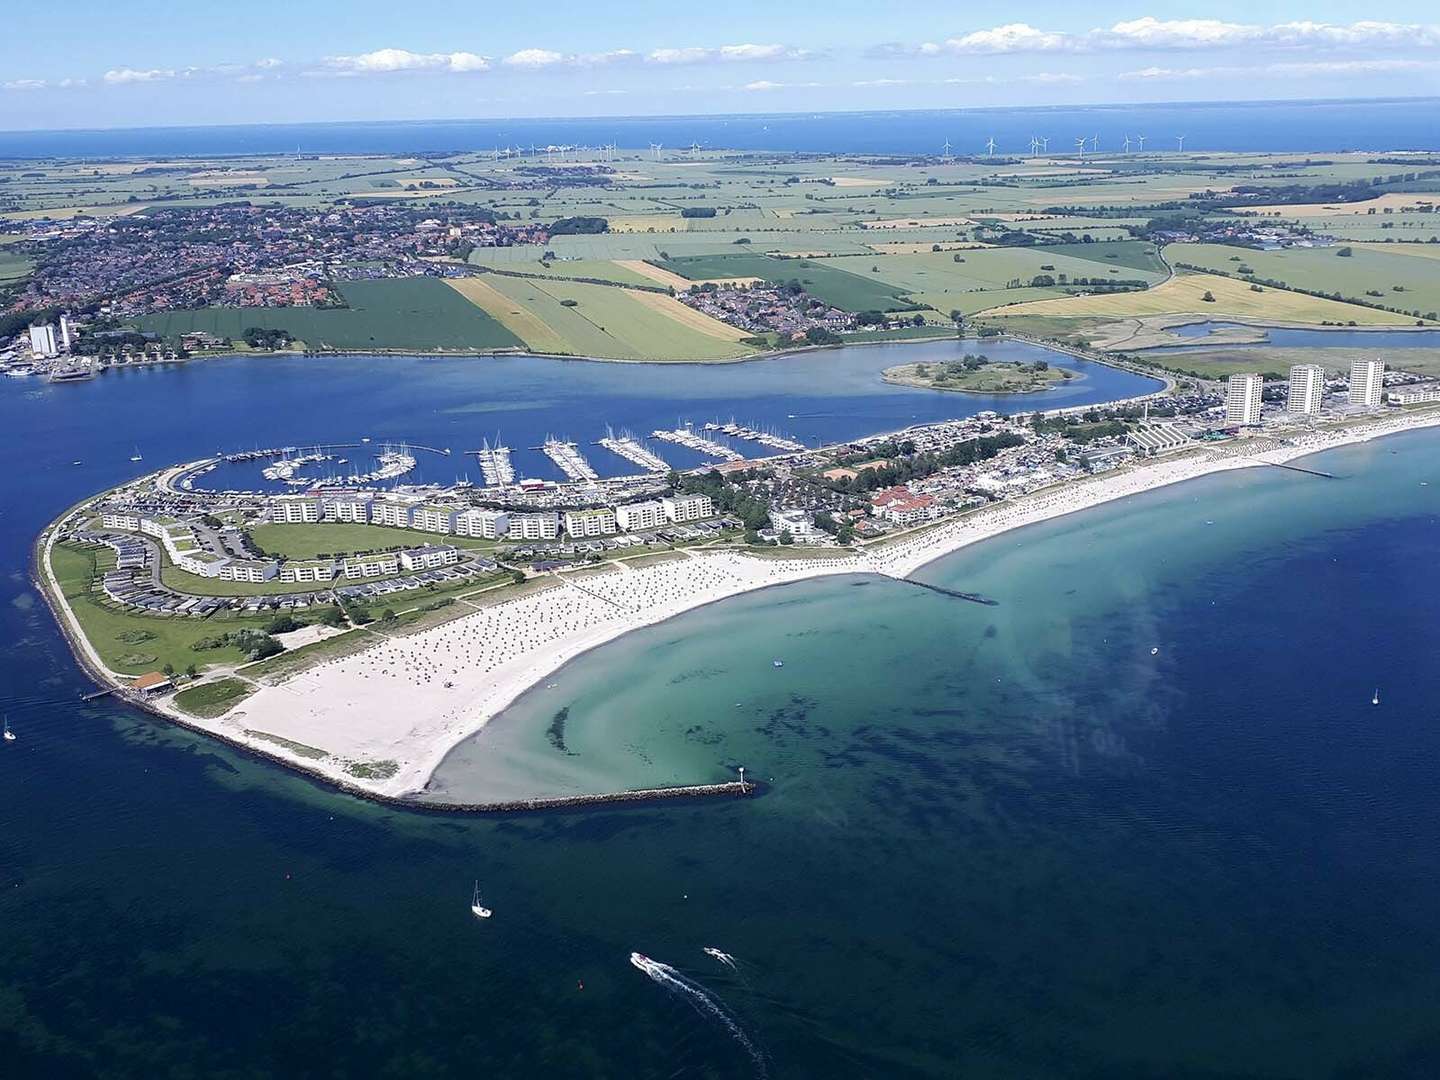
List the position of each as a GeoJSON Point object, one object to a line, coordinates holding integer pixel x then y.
{"type": "Point", "coordinates": [401, 705]}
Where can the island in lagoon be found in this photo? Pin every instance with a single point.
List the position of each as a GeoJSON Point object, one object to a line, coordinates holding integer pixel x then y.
{"type": "Point", "coordinates": [979, 375]}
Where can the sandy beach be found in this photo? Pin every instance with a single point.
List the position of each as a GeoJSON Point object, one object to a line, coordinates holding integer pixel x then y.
{"type": "Point", "coordinates": [397, 708]}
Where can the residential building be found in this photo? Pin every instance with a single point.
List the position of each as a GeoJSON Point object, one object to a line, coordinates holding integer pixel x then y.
{"type": "Point", "coordinates": [586, 523]}
{"type": "Point", "coordinates": [911, 511]}
{"type": "Point", "coordinates": [295, 509]}
{"type": "Point", "coordinates": [433, 518]}
{"type": "Point", "coordinates": [1413, 394]}
{"type": "Point", "coordinates": [1367, 382]}
{"type": "Point", "coordinates": [1242, 399]}
{"type": "Point", "coordinates": [367, 566]}
{"type": "Point", "coordinates": [800, 525]}
{"type": "Point", "coordinates": [694, 507]}
{"type": "Point", "coordinates": [485, 524]}
{"type": "Point", "coordinates": [112, 520]}
{"type": "Point", "coordinates": [305, 570]}
{"type": "Point", "coordinates": [352, 509]}
{"type": "Point", "coordinates": [1307, 389]}
{"type": "Point", "coordinates": [252, 570]}
{"type": "Point", "coordinates": [636, 517]}
{"type": "Point", "coordinates": [429, 557]}
{"type": "Point", "coordinates": [42, 340]}
{"type": "Point", "coordinates": [65, 340]}
{"type": "Point", "coordinates": [391, 510]}
{"type": "Point", "coordinates": [544, 525]}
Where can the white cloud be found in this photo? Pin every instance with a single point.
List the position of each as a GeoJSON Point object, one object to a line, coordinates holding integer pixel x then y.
{"type": "Point", "coordinates": [729, 54]}
{"type": "Point", "coordinates": [1152, 34]}
{"type": "Point", "coordinates": [250, 78]}
{"type": "Point", "coordinates": [766, 84]}
{"type": "Point", "coordinates": [535, 58]}
{"type": "Point", "coordinates": [883, 82]}
{"type": "Point", "coordinates": [24, 84]}
{"type": "Point", "coordinates": [120, 76]}
{"type": "Point", "coordinates": [604, 93]}
{"type": "Point", "coordinates": [384, 61]}
{"type": "Point", "coordinates": [269, 62]}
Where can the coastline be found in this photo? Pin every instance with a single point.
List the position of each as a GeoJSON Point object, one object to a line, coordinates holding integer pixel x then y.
{"type": "Point", "coordinates": [413, 722]}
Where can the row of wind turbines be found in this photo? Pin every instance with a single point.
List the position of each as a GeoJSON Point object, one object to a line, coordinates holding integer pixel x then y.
{"type": "Point", "coordinates": [1041, 145]}
{"type": "Point", "coordinates": [603, 152]}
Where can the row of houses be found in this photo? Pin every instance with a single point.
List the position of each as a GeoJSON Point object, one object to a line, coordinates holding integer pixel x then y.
{"type": "Point", "coordinates": [412, 512]}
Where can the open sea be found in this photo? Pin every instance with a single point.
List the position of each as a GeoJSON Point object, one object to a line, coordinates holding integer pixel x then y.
{"type": "Point", "coordinates": [1140, 819]}
{"type": "Point", "coordinates": [1326, 126]}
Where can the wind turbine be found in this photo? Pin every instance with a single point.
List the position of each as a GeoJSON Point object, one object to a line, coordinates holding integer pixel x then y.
{"type": "Point", "coordinates": [990, 147]}
{"type": "Point", "coordinates": [1181, 140]}
{"type": "Point", "coordinates": [945, 152]}
{"type": "Point", "coordinates": [1080, 146]}
{"type": "Point", "coordinates": [655, 150]}
{"type": "Point", "coordinates": [1044, 144]}
{"type": "Point", "coordinates": [1034, 145]}
{"type": "Point", "coordinates": [1141, 140]}
{"type": "Point", "coordinates": [1095, 143]}
{"type": "Point", "coordinates": [1127, 144]}
{"type": "Point", "coordinates": [694, 149]}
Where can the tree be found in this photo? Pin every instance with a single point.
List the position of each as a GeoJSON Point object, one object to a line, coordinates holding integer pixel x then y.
{"type": "Point", "coordinates": [1209, 297]}
{"type": "Point", "coordinates": [786, 538]}
{"type": "Point", "coordinates": [1344, 253]}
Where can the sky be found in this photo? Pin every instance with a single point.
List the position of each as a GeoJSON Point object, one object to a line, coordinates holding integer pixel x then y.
{"type": "Point", "coordinates": [129, 63]}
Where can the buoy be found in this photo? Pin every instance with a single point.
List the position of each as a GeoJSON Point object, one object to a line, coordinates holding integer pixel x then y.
{"type": "Point", "coordinates": [1153, 651]}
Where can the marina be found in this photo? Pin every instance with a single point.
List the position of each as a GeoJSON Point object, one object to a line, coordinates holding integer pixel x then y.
{"type": "Point", "coordinates": [764, 438]}
{"type": "Point", "coordinates": [686, 437]}
{"type": "Point", "coordinates": [631, 449]}
{"type": "Point", "coordinates": [569, 460]}
{"type": "Point", "coordinates": [495, 464]}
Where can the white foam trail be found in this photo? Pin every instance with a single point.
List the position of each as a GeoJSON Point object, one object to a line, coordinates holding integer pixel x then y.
{"type": "Point", "coordinates": [724, 957]}
{"type": "Point", "coordinates": [699, 998]}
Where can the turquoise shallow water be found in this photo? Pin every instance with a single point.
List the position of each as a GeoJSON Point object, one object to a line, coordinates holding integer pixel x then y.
{"type": "Point", "coordinates": [1000, 842]}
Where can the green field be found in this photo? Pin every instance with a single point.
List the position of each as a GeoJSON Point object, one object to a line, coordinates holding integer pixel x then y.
{"type": "Point", "coordinates": [397, 313]}
{"type": "Point", "coordinates": [132, 643]}
{"type": "Point", "coordinates": [14, 266]}
{"type": "Point", "coordinates": [836, 287]}
{"type": "Point", "coordinates": [214, 698]}
{"type": "Point", "coordinates": [1365, 271]}
{"type": "Point", "coordinates": [312, 541]}
{"type": "Point", "coordinates": [1128, 254]}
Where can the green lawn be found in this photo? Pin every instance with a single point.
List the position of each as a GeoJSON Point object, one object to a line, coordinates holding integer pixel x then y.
{"type": "Point", "coordinates": [14, 266]}
{"type": "Point", "coordinates": [312, 541]}
{"type": "Point", "coordinates": [133, 643]}
{"type": "Point", "coordinates": [214, 698]}
{"type": "Point", "coordinates": [1129, 254]}
{"type": "Point", "coordinates": [397, 313]}
{"type": "Point", "coordinates": [840, 288]}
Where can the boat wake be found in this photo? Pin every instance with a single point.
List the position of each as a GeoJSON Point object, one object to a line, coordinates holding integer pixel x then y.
{"type": "Point", "coordinates": [699, 998]}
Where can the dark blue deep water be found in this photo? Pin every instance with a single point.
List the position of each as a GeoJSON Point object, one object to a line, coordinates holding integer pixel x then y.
{"type": "Point", "coordinates": [1000, 842]}
{"type": "Point", "coordinates": [1321, 126]}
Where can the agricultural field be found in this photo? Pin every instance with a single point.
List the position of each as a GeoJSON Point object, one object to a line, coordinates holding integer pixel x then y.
{"type": "Point", "coordinates": [1275, 361]}
{"type": "Point", "coordinates": [837, 287]}
{"type": "Point", "coordinates": [398, 313]}
{"type": "Point", "coordinates": [1378, 274]}
{"type": "Point", "coordinates": [1185, 294]}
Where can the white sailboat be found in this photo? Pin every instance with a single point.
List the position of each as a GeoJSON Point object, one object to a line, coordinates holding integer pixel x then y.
{"type": "Point", "coordinates": [136, 456]}
{"type": "Point", "coordinates": [9, 735]}
{"type": "Point", "coordinates": [479, 910]}
{"type": "Point", "coordinates": [1375, 699]}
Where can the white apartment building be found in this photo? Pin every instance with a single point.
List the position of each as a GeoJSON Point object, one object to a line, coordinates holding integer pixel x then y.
{"type": "Point", "coordinates": [295, 509]}
{"type": "Point", "coordinates": [695, 507]}
{"type": "Point", "coordinates": [367, 566]}
{"type": "Point", "coordinates": [1413, 394]}
{"type": "Point", "coordinates": [1242, 399]}
{"type": "Point", "coordinates": [391, 511]}
{"type": "Point", "coordinates": [485, 524]}
{"type": "Point", "coordinates": [1367, 382]}
{"type": "Point", "coordinates": [1307, 389]}
{"type": "Point", "coordinates": [252, 570]}
{"type": "Point", "coordinates": [113, 520]}
{"type": "Point", "coordinates": [353, 509]}
{"type": "Point", "coordinates": [65, 339]}
{"type": "Point", "coordinates": [433, 518]}
{"type": "Point", "coordinates": [42, 340]}
{"type": "Point", "coordinates": [428, 557]}
{"type": "Point", "coordinates": [308, 570]}
{"type": "Point", "coordinates": [635, 517]}
{"type": "Point", "coordinates": [544, 525]}
{"type": "Point", "coordinates": [800, 525]}
{"type": "Point", "coordinates": [586, 523]}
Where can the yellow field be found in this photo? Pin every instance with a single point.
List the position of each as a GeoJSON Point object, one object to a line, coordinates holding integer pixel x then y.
{"type": "Point", "coordinates": [647, 223]}
{"type": "Point", "coordinates": [1182, 295]}
{"type": "Point", "coordinates": [227, 179]}
{"type": "Point", "coordinates": [434, 181]}
{"type": "Point", "coordinates": [915, 223]}
{"type": "Point", "coordinates": [1420, 251]}
{"type": "Point", "coordinates": [1379, 205]}
{"type": "Point", "coordinates": [688, 316]}
{"type": "Point", "coordinates": [920, 247]}
{"type": "Point", "coordinates": [514, 316]}
{"type": "Point", "coordinates": [655, 273]}
{"type": "Point", "coordinates": [65, 213]}
{"type": "Point", "coordinates": [856, 181]}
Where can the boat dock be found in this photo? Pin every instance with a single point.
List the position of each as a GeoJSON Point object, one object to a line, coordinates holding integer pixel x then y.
{"type": "Point", "coordinates": [569, 460]}
{"type": "Point", "coordinates": [495, 464]}
{"type": "Point", "coordinates": [686, 437]}
{"type": "Point", "coordinates": [1300, 469]}
{"type": "Point", "coordinates": [764, 438]}
{"type": "Point", "coordinates": [630, 448]}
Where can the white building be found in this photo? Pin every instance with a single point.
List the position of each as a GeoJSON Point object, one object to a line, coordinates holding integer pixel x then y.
{"type": "Point", "coordinates": [391, 510]}
{"type": "Point", "coordinates": [544, 525]}
{"type": "Point", "coordinates": [1367, 382]}
{"type": "Point", "coordinates": [695, 507]}
{"type": "Point", "coordinates": [366, 566]}
{"type": "Point", "coordinates": [800, 525]}
{"type": "Point", "coordinates": [597, 522]}
{"type": "Point", "coordinates": [308, 570]}
{"type": "Point", "coordinates": [636, 517]}
{"type": "Point", "coordinates": [484, 524]}
{"type": "Point", "coordinates": [65, 341]}
{"type": "Point", "coordinates": [434, 518]}
{"type": "Point", "coordinates": [1307, 389]}
{"type": "Point", "coordinates": [1242, 399]}
{"type": "Point", "coordinates": [42, 340]}
{"type": "Point", "coordinates": [295, 509]}
{"type": "Point", "coordinates": [112, 520]}
{"type": "Point", "coordinates": [429, 557]}
{"type": "Point", "coordinates": [1413, 394]}
{"type": "Point", "coordinates": [252, 570]}
{"type": "Point", "coordinates": [353, 509]}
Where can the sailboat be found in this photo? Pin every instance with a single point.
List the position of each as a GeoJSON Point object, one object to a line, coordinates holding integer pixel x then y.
{"type": "Point", "coordinates": [479, 910]}
{"type": "Point", "coordinates": [9, 735]}
{"type": "Point", "coordinates": [136, 455]}
{"type": "Point", "coordinates": [1375, 700]}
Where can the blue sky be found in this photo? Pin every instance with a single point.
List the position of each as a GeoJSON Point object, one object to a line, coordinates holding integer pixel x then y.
{"type": "Point", "coordinates": [85, 63]}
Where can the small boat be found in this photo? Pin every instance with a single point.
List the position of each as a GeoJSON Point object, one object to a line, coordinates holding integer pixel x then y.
{"type": "Point", "coordinates": [479, 910]}
{"type": "Point", "coordinates": [1375, 699]}
{"type": "Point", "coordinates": [777, 663]}
{"type": "Point", "coordinates": [1154, 651]}
{"type": "Point", "coordinates": [9, 735]}
{"type": "Point", "coordinates": [77, 461]}
{"type": "Point", "coordinates": [136, 456]}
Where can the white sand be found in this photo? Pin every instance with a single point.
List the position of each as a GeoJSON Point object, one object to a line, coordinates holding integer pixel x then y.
{"type": "Point", "coordinates": [411, 698]}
